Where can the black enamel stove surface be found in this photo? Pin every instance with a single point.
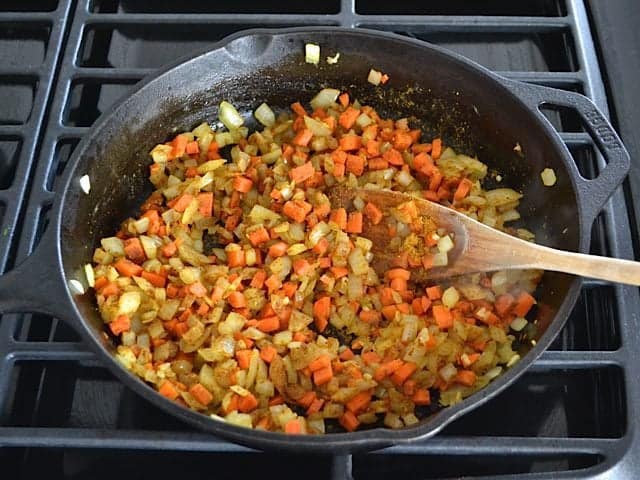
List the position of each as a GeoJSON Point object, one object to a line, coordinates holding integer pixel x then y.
{"type": "Point", "coordinates": [63, 62]}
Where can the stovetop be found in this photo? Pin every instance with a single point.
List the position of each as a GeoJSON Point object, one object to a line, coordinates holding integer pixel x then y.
{"type": "Point", "coordinates": [63, 62]}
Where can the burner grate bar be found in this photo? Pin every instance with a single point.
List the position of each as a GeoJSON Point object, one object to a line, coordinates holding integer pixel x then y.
{"type": "Point", "coordinates": [551, 79]}
{"type": "Point", "coordinates": [576, 138]}
{"type": "Point", "coordinates": [443, 23]}
{"type": "Point", "coordinates": [50, 351]}
{"type": "Point", "coordinates": [12, 130]}
{"type": "Point", "coordinates": [43, 18]}
{"type": "Point", "coordinates": [188, 441]}
{"type": "Point", "coordinates": [577, 359]}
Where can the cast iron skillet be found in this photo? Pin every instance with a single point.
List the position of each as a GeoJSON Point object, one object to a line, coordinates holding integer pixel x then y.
{"type": "Point", "coordinates": [471, 108]}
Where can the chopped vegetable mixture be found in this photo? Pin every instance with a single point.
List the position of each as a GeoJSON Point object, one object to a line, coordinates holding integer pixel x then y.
{"type": "Point", "coordinates": [242, 293]}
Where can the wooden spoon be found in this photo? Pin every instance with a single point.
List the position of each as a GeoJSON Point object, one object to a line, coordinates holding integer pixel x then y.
{"type": "Point", "coordinates": [477, 247]}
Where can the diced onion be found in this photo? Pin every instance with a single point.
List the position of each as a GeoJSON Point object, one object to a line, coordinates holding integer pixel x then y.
{"type": "Point", "coordinates": [312, 53]}
{"type": "Point", "coordinates": [493, 373]}
{"type": "Point", "coordinates": [265, 115]}
{"type": "Point", "coordinates": [548, 177]}
{"type": "Point", "coordinates": [113, 245]}
{"type": "Point", "coordinates": [230, 116]}
{"type": "Point", "coordinates": [318, 128]}
{"type": "Point", "coordinates": [375, 77]}
{"type": "Point", "coordinates": [325, 98]}
{"type": "Point", "coordinates": [450, 297]}
{"type": "Point", "coordinates": [404, 178]}
{"type": "Point", "coordinates": [333, 60]}
{"type": "Point", "coordinates": [445, 244]}
{"type": "Point", "coordinates": [76, 287]}
{"type": "Point", "coordinates": [513, 360]}
{"type": "Point", "coordinates": [89, 273]}
{"type": "Point", "coordinates": [440, 259]}
{"type": "Point", "coordinates": [518, 324]}
{"type": "Point", "coordinates": [448, 372]}
{"type": "Point", "coordinates": [129, 302]}
{"type": "Point", "coordinates": [85, 184]}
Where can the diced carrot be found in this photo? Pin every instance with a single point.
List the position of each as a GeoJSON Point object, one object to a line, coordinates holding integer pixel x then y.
{"type": "Point", "coordinates": [247, 403]}
{"type": "Point", "coordinates": [179, 145]}
{"type": "Point", "coordinates": [167, 389]}
{"type": "Point", "coordinates": [273, 283]}
{"type": "Point", "coordinates": [354, 222]}
{"type": "Point", "coordinates": [268, 353]}
{"type": "Point", "coordinates": [359, 402]}
{"type": "Point", "coordinates": [524, 302]}
{"type": "Point", "coordinates": [303, 137]}
{"type": "Point", "coordinates": [192, 148]}
{"type": "Point", "coordinates": [355, 164]}
{"type": "Point", "coordinates": [244, 358]}
{"type": "Point", "coordinates": [349, 143]}
{"type": "Point", "coordinates": [464, 187]}
{"type": "Point", "coordinates": [387, 296]}
{"type": "Point", "coordinates": [339, 217]}
{"type": "Point", "coordinates": [409, 387]}
{"type": "Point", "coordinates": [399, 273]}
{"type": "Point", "coordinates": [402, 140]}
{"type": "Point", "coordinates": [503, 304]}
{"type": "Point", "coordinates": [347, 354]}
{"type": "Point", "coordinates": [373, 213]}
{"type": "Point", "coordinates": [322, 246]}
{"type": "Point", "coordinates": [301, 267]}
{"type": "Point", "coordinates": [133, 249]}
{"type": "Point", "coordinates": [197, 289]}
{"type": "Point", "coordinates": [370, 357]}
{"type": "Point", "coordinates": [339, 170]}
{"type": "Point", "coordinates": [373, 148]}
{"type": "Point", "coordinates": [377, 163]}
{"type": "Point", "coordinates": [258, 236]}
{"type": "Point", "coordinates": [237, 300]}
{"type": "Point", "coordinates": [321, 313]}
{"type": "Point", "coordinates": [322, 376]}
{"type": "Point", "coordinates": [293, 427]}
{"type": "Point", "coordinates": [242, 184]}
{"type": "Point", "coordinates": [398, 284]}
{"type": "Point", "coordinates": [369, 316]}
{"type": "Point", "coordinates": [421, 397]}
{"type": "Point", "coordinates": [436, 148]}
{"type": "Point", "coordinates": [315, 406]}
{"type": "Point", "coordinates": [389, 312]}
{"type": "Point", "coordinates": [236, 258]}
{"type": "Point", "coordinates": [466, 378]}
{"type": "Point", "coordinates": [434, 293]}
{"type": "Point", "coordinates": [339, 272]}
{"type": "Point", "coordinates": [258, 279]}
{"type": "Point", "coordinates": [289, 289]}
{"type": "Point", "coordinates": [127, 268]}
{"type": "Point", "coordinates": [182, 202]}
{"type": "Point", "coordinates": [403, 373]}
{"type": "Point", "coordinates": [323, 361]}
{"type": "Point", "coordinates": [267, 325]}
{"type": "Point", "coordinates": [120, 324]}
{"type": "Point", "coordinates": [349, 421]}
{"type": "Point", "coordinates": [393, 156]}
{"type": "Point", "coordinates": [301, 173]}
{"type": "Point", "coordinates": [201, 394]}
{"type": "Point", "coordinates": [423, 163]}
{"type": "Point", "coordinates": [442, 316]}
{"type": "Point", "coordinates": [343, 98]}
{"type": "Point", "coordinates": [205, 202]}
{"type": "Point", "coordinates": [297, 210]}
{"type": "Point", "coordinates": [298, 109]}
{"type": "Point", "coordinates": [348, 117]}
{"type": "Point", "coordinates": [278, 249]}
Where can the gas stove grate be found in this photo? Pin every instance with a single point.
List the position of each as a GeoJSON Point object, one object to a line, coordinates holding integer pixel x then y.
{"type": "Point", "coordinates": [576, 400]}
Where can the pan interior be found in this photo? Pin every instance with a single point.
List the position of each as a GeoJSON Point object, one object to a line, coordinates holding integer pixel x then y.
{"type": "Point", "coordinates": [444, 96]}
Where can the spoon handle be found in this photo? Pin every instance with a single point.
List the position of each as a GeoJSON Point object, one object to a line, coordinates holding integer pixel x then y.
{"type": "Point", "coordinates": [593, 266]}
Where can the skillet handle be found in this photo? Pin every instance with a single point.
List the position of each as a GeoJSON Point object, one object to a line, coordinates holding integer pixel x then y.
{"type": "Point", "coordinates": [593, 193]}
{"type": "Point", "coordinates": [35, 285]}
